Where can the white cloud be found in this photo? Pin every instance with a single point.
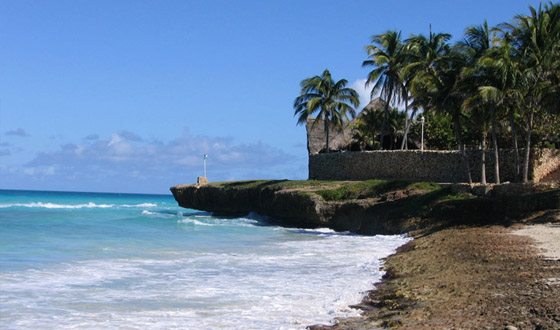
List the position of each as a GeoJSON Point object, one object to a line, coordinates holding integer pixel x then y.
{"type": "Point", "coordinates": [31, 171]}
{"type": "Point", "coordinates": [8, 170]}
{"type": "Point", "coordinates": [119, 147]}
{"type": "Point", "coordinates": [118, 159]}
{"type": "Point", "coordinates": [364, 92]}
{"type": "Point", "coordinates": [49, 170]}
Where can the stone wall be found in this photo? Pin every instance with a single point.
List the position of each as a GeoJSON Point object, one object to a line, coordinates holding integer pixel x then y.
{"type": "Point", "coordinates": [545, 161]}
{"type": "Point", "coordinates": [439, 166]}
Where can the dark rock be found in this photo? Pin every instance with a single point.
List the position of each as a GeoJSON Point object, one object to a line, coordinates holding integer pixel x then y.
{"type": "Point", "coordinates": [397, 214]}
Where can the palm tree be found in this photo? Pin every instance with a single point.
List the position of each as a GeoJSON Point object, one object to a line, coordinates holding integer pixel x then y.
{"type": "Point", "coordinates": [536, 39]}
{"type": "Point", "coordinates": [479, 121]}
{"type": "Point", "coordinates": [406, 80]}
{"type": "Point", "coordinates": [387, 59]}
{"type": "Point", "coordinates": [552, 95]}
{"type": "Point", "coordinates": [476, 44]}
{"type": "Point", "coordinates": [504, 87]}
{"type": "Point", "coordinates": [365, 128]}
{"type": "Point", "coordinates": [436, 80]}
{"type": "Point", "coordinates": [395, 120]}
{"type": "Point", "coordinates": [331, 99]}
{"type": "Point", "coordinates": [477, 40]}
{"type": "Point", "coordinates": [363, 135]}
{"type": "Point", "coordinates": [426, 54]}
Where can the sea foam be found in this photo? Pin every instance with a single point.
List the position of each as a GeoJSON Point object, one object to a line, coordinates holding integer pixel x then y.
{"type": "Point", "coordinates": [158, 266]}
{"type": "Point", "coordinates": [288, 286]}
{"type": "Point", "coordinates": [56, 206]}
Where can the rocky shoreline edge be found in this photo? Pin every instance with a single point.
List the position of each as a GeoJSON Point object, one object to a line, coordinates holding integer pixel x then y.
{"type": "Point", "coordinates": [463, 269]}
{"type": "Point", "coordinates": [465, 277]}
{"type": "Point", "coordinates": [370, 207]}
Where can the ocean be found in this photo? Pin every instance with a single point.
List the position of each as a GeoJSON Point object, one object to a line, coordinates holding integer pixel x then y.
{"type": "Point", "coordinates": [111, 261]}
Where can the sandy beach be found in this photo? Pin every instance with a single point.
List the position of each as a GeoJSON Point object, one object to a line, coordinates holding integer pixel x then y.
{"type": "Point", "coordinates": [546, 236]}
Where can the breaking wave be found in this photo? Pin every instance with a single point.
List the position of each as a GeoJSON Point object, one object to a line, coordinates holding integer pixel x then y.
{"type": "Point", "coordinates": [57, 206]}
{"type": "Point", "coordinates": [89, 205]}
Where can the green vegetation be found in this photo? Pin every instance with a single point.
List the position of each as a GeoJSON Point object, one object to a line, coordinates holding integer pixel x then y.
{"type": "Point", "coordinates": [421, 204]}
{"type": "Point", "coordinates": [245, 184]}
{"type": "Point", "coordinates": [457, 196]}
{"type": "Point", "coordinates": [386, 57]}
{"type": "Point", "coordinates": [369, 123]}
{"type": "Point", "coordinates": [405, 199]}
{"type": "Point", "coordinates": [498, 87]}
{"type": "Point", "coordinates": [373, 189]}
{"type": "Point", "coordinates": [425, 186]}
{"type": "Point", "coordinates": [332, 100]}
{"type": "Point", "coordinates": [273, 184]}
{"type": "Point", "coordinates": [401, 199]}
{"type": "Point", "coordinates": [335, 190]}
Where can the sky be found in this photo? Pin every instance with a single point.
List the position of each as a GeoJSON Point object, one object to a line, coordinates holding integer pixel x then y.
{"type": "Point", "coordinates": [128, 95]}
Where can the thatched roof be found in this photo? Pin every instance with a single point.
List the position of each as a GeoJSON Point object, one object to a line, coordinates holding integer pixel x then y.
{"type": "Point", "coordinates": [374, 105]}
{"type": "Point", "coordinates": [338, 139]}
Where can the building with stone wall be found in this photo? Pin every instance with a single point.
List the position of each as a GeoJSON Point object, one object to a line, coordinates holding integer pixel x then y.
{"type": "Point", "coordinates": [438, 166]}
{"type": "Point", "coordinates": [428, 165]}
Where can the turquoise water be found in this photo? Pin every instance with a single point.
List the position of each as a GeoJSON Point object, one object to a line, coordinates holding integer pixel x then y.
{"type": "Point", "coordinates": [90, 260]}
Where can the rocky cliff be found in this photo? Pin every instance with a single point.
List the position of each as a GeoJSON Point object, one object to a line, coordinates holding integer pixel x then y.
{"type": "Point", "coordinates": [402, 208]}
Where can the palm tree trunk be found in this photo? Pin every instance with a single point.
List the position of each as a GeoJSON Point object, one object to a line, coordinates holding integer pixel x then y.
{"type": "Point", "coordinates": [527, 149]}
{"type": "Point", "coordinates": [515, 147]}
{"type": "Point", "coordinates": [327, 133]}
{"type": "Point", "coordinates": [459, 137]}
{"type": "Point", "coordinates": [495, 146]}
{"type": "Point", "coordinates": [483, 158]}
{"type": "Point", "coordinates": [384, 122]}
{"type": "Point", "coordinates": [382, 133]}
{"type": "Point", "coordinates": [407, 128]}
{"type": "Point", "coordinates": [406, 125]}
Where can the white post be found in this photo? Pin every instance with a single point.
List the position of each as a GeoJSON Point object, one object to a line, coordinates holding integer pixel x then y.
{"type": "Point", "coordinates": [422, 139]}
{"type": "Point", "coordinates": [205, 156]}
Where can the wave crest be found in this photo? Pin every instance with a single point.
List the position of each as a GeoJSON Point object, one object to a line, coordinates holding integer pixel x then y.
{"type": "Point", "coordinates": [57, 206]}
{"type": "Point", "coordinates": [140, 205]}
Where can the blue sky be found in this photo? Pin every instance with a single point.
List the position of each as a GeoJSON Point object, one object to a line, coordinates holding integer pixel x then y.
{"type": "Point", "coordinates": [127, 96]}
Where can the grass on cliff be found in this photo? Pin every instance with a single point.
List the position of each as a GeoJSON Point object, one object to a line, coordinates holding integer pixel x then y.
{"type": "Point", "coordinates": [275, 184]}
{"type": "Point", "coordinates": [335, 191]}
{"type": "Point", "coordinates": [407, 199]}
{"type": "Point", "coordinates": [373, 189]}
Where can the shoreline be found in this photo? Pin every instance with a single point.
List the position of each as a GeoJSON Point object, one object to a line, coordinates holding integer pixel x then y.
{"type": "Point", "coordinates": [464, 269]}
{"type": "Point", "coordinates": [492, 276]}
{"type": "Point", "coordinates": [370, 207]}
